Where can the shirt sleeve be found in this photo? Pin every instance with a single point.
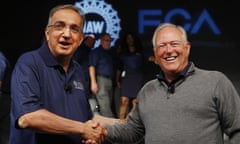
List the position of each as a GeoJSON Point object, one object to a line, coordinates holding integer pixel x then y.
{"type": "Point", "coordinates": [130, 131]}
{"type": "Point", "coordinates": [25, 90]}
{"type": "Point", "coordinates": [228, 104]}
{"type": "Point", "coordinates": [92, 58]}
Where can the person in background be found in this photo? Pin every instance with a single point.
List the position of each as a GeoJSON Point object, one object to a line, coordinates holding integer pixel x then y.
{"type": "Point", "coordinates": [116, 51]}
{"type": "Point", "coordinates": [184, 104]}
{"type": "Point", "coordinates": [5, 98]}
{"type": "Point", "coordinates": [151, 69]}
{"type": "Point", "coordinates": [130, 74]}
{"type": "Point", "coordinates": [102, 73]}
{"type": "Point", "coordinates": [82, 56]}
{"type": "Point", "coordinates": [49, 101]}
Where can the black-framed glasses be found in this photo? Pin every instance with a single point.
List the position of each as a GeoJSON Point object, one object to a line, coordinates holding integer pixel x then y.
{"type": "Point", "coordinates": [60, 26]}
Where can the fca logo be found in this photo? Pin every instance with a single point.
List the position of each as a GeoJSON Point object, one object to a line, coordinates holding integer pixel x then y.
{"type": "Point", "coordinates": [148, 18]}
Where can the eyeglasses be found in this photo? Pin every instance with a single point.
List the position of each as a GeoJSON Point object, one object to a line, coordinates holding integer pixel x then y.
{"type": "Point", "coordinates": [60, 26]}
{"type": "Point", "coordinates": [173, 44]}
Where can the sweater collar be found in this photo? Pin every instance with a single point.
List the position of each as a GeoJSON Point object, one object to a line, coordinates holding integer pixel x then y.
{"type": "Point", "coordinates": [186, 71]}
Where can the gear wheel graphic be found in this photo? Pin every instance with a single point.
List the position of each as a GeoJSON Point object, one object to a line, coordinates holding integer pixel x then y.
{"type": "Point", "coordinates": [110, 16]}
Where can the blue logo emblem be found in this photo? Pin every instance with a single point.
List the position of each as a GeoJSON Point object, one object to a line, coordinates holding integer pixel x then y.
{"type": "Point", "coordinates": [100, 18]}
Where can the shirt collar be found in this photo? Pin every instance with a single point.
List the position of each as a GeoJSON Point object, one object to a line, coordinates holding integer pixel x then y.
{"type": "Point", "coordinates": [161, 77]}
{"type": "Point", "coordinates": [49, 59]}
{"type": "Point", "coordinates": [47, 56]}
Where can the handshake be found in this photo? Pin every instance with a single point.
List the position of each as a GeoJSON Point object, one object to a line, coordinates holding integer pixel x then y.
{"type": "Point", "coordinates": [94, 131]}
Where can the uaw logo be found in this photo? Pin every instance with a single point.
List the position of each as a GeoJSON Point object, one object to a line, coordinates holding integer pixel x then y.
{"type": "Point", "coordinates": [100, 18]}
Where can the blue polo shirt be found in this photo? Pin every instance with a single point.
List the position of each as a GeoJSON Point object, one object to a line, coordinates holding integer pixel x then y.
{"type": "Point", "coordinates": [39, 82]}
{"type": "Point", "coordinates": [102, 60]}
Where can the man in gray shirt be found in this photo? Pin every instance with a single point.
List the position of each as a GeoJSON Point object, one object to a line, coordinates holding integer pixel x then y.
{"type": "Point", "coordinates": [184, 104]}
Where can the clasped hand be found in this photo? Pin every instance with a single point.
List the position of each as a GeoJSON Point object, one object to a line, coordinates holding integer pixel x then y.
{"type": "Point", "coordinates": [94, 132]}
